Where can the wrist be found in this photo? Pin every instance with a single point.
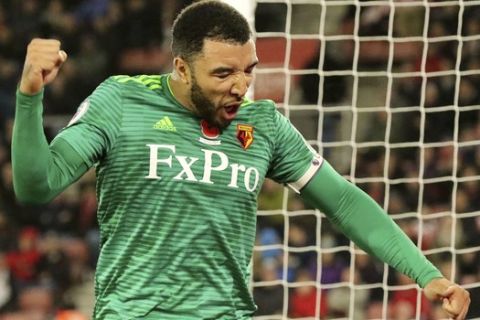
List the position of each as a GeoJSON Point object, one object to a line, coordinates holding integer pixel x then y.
{"type": "Point", "coordinates": [29, 101]}
{"type": "Point", "coordinates": [435, 287]}
{"type": "Point", "coordinates": [28, 90]}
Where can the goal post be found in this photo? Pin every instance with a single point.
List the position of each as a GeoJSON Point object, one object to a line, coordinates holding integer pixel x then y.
{"type": "Point", "coordinates": [388, 92]}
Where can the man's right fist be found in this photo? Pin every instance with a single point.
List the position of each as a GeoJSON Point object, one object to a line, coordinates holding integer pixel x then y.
{"type": "Point", "coordinates": [42, 62]}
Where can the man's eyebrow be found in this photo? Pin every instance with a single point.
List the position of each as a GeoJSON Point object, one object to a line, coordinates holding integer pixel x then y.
{"type": "Point", "coordinates": [230, 70]}
{"type": "Point", "coordinates": [222, 70]}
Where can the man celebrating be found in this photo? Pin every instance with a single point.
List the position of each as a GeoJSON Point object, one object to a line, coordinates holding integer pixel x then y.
{"type": "Point", "coordinates": [180, 159]}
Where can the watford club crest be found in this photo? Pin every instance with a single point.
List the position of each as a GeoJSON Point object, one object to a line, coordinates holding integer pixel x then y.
{"type": "Point", "coordinates": [245, 135]}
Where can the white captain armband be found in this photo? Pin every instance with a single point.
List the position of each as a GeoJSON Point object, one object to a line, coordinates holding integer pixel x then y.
{"type": "Point", "coordinates": [315, 164]}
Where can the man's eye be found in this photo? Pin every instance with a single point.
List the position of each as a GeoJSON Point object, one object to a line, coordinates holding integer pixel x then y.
{"type": "Point", "coordinates": [222, 75]}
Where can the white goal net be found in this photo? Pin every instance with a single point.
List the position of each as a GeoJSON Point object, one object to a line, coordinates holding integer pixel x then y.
{"type": "Point", "coordinates": [389, 93]}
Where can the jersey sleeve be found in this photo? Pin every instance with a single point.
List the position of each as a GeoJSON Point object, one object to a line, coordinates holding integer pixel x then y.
{"type": "Point", "coordinates": [294, 161]}
{"type": "Point", "coordinates": [93, 129]}
{"type": "Point", "coordinates": [55, 166]}
{"type": "Point", "coordinates": [363, 221]}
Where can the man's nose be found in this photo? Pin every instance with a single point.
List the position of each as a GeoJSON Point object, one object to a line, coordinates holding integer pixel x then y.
{"type": "Point", "coordinates": [240, 86]}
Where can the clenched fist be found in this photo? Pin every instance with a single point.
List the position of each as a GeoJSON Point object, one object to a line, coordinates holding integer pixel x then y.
{"type": "Point", "coordinates": [455, 300]}
{"type": "Point", "coordinates": [42, 62]}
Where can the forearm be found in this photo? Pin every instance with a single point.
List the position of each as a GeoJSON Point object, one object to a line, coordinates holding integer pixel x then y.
{"type": "Point", "coordinates": [40, 171]}
{"type": "Point", "coordinates": [365, 223]}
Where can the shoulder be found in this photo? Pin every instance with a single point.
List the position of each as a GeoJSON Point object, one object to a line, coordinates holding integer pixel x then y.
{"type": "Point", "coordinates": [122, 87]}
{"type": "Point", "coordinates": [264, 105]}
{"type": "Point", "coordinates": [144, 81]}
{"type": "Point", "coordinates": [125, 85]}
{"type": "Point", "coordinates": [264, 109]}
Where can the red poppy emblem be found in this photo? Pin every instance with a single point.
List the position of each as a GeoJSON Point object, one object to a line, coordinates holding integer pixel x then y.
{"type": "Point", "coordinates": [245, 135]}
{"type": "Point", "coordinates": [209, 131]}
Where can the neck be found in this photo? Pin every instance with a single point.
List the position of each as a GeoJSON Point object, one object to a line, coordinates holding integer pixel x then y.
{"type": "Point", "coordinates": [181, 92]}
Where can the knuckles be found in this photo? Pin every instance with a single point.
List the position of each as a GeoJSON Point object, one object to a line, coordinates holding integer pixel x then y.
{"type": "Point", "coordinates": [43, 45]}
{"type": "Point", "coordinates": [45, 41]}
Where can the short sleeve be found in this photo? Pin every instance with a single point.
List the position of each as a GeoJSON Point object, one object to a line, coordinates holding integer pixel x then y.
{"type": "Point", "coordinates": [93, 129]}
{"type": "Point", "coordinates": [294, 161]}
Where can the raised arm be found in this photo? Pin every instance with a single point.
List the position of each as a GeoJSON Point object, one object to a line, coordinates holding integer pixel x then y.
{"type": "Point", "coordinates": [40, 171]}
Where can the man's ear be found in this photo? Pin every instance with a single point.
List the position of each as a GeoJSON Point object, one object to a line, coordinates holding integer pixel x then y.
{"type": "Point", "coordinates": [182, 69]}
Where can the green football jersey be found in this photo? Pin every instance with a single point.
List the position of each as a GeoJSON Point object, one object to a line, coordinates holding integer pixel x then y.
{"type": "Point", "coordinates": [177, 198]}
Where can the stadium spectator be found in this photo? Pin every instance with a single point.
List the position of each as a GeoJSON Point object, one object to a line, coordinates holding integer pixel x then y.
{"type": "Point", "coordinates": [303, 299]}
{"type": "Point", "coordinates": [269, 298]}
{"type": "Point", "coordinates": [339, 298]}
{"type": "Point", "coordinates": [23, 261]}
{"type": "Point", "coordinates": [403, 304]}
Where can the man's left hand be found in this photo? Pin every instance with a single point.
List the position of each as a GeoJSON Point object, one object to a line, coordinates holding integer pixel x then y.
{"type": "Point", "coordinates": [455, 299]}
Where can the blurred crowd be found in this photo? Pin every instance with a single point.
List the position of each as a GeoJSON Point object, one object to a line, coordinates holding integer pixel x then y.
{"type": "Point", "coordinates": [48, 253]}
{"type": "Point", "coordinates": [413, 109]}
{"type": "Point", "coordinates": [417, 153]}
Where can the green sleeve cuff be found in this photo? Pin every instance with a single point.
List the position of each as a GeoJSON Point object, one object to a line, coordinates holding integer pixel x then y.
{"type": "Point", "coordinates": [29, 101]}
{"type": "Point", "coordinates": [362, 220]}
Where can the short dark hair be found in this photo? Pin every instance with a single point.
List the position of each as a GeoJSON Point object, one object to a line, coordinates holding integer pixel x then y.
{"type": "Point", "coordinates": [212, 20]}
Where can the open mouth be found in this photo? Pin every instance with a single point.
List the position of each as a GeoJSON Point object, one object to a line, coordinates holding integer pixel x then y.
{"type": "Point", "coordinates": [231, 111]}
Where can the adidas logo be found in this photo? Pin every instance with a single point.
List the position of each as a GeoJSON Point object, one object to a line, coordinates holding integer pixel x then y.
{"type": "Point", "coordinates": [165, 124]}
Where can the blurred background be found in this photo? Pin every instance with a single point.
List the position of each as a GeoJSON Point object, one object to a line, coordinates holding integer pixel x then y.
{"type": "Point", "coordinates": [386, 91]}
